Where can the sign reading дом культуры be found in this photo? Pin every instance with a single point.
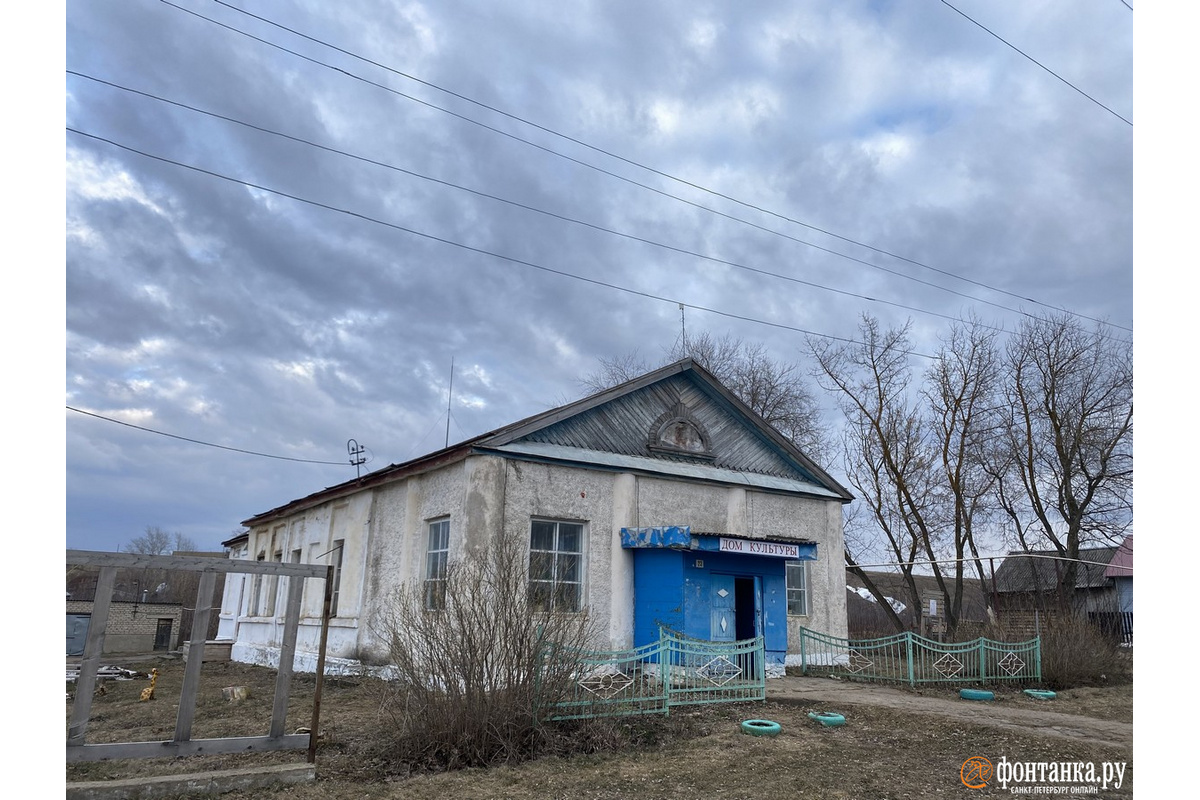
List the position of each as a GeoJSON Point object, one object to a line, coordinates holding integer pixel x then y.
{"type": "Point", "coordinates": [751, 548]}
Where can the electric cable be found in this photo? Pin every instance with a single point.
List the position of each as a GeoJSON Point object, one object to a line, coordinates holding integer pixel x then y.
{"type": "Point", "coordinates": [631, 162]}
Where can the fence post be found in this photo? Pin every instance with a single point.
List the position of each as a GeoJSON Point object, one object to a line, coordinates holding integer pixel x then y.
{"type": "Point", "coordinates": [982, 659]}
{"type": "Point", "coordinates": [908, 648]}
{"type": "Point", "coordinates": [664, 667]}
{"type": "Point", "coordinates": [803, 652]}
{"type": "Point", "coordinates": [1038, 657]}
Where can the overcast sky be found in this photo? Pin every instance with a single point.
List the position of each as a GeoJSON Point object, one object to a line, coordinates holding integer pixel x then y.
{"type": "Point", "coordinates": [284, 220]}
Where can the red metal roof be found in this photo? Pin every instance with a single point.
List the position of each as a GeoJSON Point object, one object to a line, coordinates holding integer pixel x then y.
{"type": "Point", "coordinates": [1121, 565]}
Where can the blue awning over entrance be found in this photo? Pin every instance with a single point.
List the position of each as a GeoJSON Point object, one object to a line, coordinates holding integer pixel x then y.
{"type": "Point", "coordinates": [675, 537]}
{"type": "Point", "coordinates": [679, 537]}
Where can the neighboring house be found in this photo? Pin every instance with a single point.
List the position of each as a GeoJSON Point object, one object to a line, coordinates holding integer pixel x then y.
{"type": "Point", "coordinates": [133, 627]}
{"type": "Point", "coordinates": [152, 609]}
{"type": "Point", "coordinates": [662, 501]}
{"type": "Point", "coordinates": [865, 618]}
{"type": "Point", "coordinates": [1103, 586]}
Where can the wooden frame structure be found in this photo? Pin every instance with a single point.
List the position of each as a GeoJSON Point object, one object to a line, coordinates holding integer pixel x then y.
{"type": "Point", "coordinates": [182, 744]}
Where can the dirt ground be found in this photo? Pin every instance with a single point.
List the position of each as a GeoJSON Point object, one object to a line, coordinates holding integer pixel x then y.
{"type": "Point", "coordinates": [896, 743]}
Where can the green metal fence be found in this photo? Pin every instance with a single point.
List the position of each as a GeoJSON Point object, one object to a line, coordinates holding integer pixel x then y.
{"type": "Point", "coordinates": [676, 670]}
{"type": "Point", "coordinates": [912, 659]}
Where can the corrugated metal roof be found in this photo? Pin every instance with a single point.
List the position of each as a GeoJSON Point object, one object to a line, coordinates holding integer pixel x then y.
{"type": "Point", "coordinates": [1038, 571]}
{"type": "Point", "coordinates": [676, 469]}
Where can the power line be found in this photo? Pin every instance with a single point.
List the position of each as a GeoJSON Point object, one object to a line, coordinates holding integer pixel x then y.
{"type": "Point", "coordinates": [536, 210]}
{"type": "Point", "coordinates": [469, 248]}
{"type": "Point", "coordinates": [1048, 556]}
{"type": "Point", "coordinates": [1040, 64]}
{"type": "Point", "coordinates": [629, 161]}
{"type": "Point", "coordinates": [206, 444]}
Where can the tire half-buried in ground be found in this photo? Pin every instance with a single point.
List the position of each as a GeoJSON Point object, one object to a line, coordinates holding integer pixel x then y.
{"type": "Point", "coordinates": [761, 727]}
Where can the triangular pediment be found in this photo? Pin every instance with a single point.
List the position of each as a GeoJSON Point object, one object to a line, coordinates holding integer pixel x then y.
{"type": "Point", "coordinates": [679, 414]}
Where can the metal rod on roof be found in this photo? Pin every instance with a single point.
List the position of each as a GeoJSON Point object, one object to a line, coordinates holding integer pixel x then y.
{"type": "Point", "coordinates": [449, 395]}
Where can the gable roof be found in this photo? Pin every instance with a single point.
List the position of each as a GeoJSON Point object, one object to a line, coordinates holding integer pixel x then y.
{"type": "Point", "coordinates": [1038, 570]}
{"type": "Point", "coordinates": [724, 440]}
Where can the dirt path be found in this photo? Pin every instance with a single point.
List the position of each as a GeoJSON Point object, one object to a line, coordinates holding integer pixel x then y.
{"type": "Point", "coordinates": [995, 714]}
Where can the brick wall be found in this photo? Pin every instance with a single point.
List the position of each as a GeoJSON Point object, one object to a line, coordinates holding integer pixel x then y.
{"type": "Point", "coordinates": [133, 626]}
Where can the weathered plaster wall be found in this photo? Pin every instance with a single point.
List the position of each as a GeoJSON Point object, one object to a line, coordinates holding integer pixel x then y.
{"type": "Point", "coordinates": [543, 491]}
{"type": "Point", "coordinates": [386, 536]}
{"type": "Point", "coordinates": [827, 580]}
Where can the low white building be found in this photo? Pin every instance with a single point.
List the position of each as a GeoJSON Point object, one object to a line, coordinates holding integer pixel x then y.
{"type": "Point", "coordinates": [662, 501]}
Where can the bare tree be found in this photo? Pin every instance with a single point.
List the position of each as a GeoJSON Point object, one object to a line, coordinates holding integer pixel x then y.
{"type": "Point", "coordinates": [614, 371]}
{"type": "Point", "coordinates": [157, 585]}
{"type": "Point", "coordinates": [773, 389]}
{"type": "Point", "coordinates": [916, 454]}
{"type": "Point", "coordinates": [961, 388]}
{"type": "Point", "coordinates": [1066, 467]}
{"type": "Point", "coordinates": [157, 542]}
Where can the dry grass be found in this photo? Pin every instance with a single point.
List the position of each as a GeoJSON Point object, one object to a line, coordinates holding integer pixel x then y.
{"type": "Point", "coordinates": [696, 752]}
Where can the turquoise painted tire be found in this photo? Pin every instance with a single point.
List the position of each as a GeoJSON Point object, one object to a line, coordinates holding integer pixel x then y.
{"type": "Point", "coordinates": [761, 727]}
{"type": "Point", "coordinates": [1040, 694]}
{"type": "Point", "coordinates": [976, 694]}
{"type": "Point", "coordinates": [827, 718]}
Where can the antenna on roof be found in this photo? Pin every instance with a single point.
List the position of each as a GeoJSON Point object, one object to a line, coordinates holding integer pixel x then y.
{"type": "Point", "coordinates": [449, 395]}
{"type": "Point", "coordinates": [683, 326]}
{"type": "Point", "coordinates": [356, 456]}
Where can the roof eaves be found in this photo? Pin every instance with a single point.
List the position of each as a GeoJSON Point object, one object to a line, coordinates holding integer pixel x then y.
{"type": "Point", "coordinates": [386, 475]}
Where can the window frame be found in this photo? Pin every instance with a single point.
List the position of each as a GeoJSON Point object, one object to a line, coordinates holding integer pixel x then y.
{"type": "Point", "coordinates": [802, 592]}
{"type": "Point", "coordinates": [335, 558]}
{"type": "Point", "coordinates": [557, 558]}
{"type": "Point", "coordinates": [437, 560]}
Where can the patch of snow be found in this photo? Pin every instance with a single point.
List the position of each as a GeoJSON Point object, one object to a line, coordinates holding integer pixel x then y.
{"type": "Point", "coordinates": [896, 605]}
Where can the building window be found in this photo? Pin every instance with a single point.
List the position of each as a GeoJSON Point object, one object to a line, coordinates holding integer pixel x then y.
{"type": "Point", "coordinates": [436, 554]}
{"type": "Point", "coordinates": [336, 560]}
{"type": "Point", "coordinates": [273, 587]}
{"type": "Point", "coordinates": [797, 588]}
{"type": "Point", "coordinates": [556, 566]}
{"type": "Point", "coordinates": [256, 588]}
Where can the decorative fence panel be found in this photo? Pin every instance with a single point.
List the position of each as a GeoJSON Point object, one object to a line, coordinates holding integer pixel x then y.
{"type": "Point", "coordinates": [912, 659]}
{"type": "Point", "coordinates": [676, 670]}
{"type": "Point", "coordinates": [702, 671]}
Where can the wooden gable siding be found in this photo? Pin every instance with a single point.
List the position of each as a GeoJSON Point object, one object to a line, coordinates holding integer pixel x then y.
{"type": "Point", "coordinates": [623, 426]}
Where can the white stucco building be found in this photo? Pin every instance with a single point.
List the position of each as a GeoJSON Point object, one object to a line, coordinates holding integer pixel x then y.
{"type": "Point", "coordinates": [662, 501]}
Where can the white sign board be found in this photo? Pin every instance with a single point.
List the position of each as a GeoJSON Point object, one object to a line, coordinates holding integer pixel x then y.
{"type": "Point", "coordinates": [749, 548]}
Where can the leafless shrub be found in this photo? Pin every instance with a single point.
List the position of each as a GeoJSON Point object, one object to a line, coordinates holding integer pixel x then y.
{"type": "Point", "coordinates": [478, 668]}
{"type": "Point", "coordinates": [1075, 653]}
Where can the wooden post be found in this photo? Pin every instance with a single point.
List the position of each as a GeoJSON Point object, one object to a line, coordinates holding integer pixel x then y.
{"type": "Point", "coordinates": [93, 648]}
{"type": "Point", "coordinates": [191, 673]}
{"type": "Point", "coordinates": [315, 730]}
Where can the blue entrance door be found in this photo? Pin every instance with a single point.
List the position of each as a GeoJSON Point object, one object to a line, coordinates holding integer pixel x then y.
{"type": "Point", "coordinates": [724, 609]}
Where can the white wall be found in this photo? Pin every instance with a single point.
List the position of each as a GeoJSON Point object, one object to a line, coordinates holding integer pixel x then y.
{"type": "Point", "coordinates": [386, 532]}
